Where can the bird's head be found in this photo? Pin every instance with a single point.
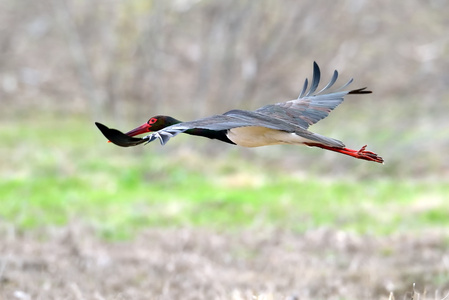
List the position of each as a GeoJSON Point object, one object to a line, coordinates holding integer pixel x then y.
{"type": "Point", "coordinates": [153, 124]}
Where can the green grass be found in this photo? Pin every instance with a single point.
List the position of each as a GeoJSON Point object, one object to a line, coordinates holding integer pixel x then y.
{"type": "Point", "coordinates": [52, 176]}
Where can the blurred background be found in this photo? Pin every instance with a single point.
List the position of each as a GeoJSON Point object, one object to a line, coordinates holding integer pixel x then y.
{"type": "Point", "coordinates": [84, 219]}
{"type": "Point", "coordinates": [120, 62]}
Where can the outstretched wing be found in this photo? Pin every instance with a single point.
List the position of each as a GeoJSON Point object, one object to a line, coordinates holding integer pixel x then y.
{"type": "Point", "coordinates": [234, 119]}
{"type": "Point", "coordinates": [310, 107]}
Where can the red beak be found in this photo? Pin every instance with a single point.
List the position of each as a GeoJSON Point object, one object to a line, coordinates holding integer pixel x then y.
{"type": "Point", "coordinates": [139, 130]}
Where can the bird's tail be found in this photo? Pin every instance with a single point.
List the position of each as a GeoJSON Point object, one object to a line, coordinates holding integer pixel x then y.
{"type": "Point", "coordinates": [324, 140]}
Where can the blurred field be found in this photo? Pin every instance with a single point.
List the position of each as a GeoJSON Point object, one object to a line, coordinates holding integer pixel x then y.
{"type": "Point", "coordinates": [263, 263]}
{"type": "Point", "coordinates": [83, 219]}
{"type": "Point", "coordinates": [81, 213]}
{"type": "Point", "coordinates": [65, 177]}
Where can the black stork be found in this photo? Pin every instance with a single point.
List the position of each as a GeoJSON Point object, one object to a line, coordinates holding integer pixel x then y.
{"type": "Point", "coordinates": [280, 123]}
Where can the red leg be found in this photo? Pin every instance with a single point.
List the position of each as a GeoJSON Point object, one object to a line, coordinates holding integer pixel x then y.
{"type": "Point", "coordinates": [360, 154]}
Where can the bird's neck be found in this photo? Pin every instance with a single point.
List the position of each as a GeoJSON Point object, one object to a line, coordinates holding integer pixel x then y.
{"type": "Point", "coordinates": [211, 134]}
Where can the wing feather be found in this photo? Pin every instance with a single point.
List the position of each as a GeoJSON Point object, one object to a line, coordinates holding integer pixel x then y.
{"type": "Point", "coordinates": [304, 89]}
{"type": "Point", "coordinates": [310, 108]}
{"type": "Point", "coordinates": [331, 83]}
{"type": "Point", "coordinates": [315, 79]}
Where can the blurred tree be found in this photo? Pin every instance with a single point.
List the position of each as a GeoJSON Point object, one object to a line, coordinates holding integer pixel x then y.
{"type": "Point", "coordinates": [133, 58]}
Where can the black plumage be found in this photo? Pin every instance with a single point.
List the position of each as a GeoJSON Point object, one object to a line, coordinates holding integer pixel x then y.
{"type": "Point", "coordinates": [280, 123]}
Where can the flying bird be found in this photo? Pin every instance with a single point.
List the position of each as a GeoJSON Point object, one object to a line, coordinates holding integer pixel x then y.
{"type": "Point", "coordinates": [280, 123]}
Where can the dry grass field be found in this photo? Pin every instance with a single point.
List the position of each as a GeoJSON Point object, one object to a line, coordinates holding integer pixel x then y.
{"type": "Point", "coordinates": [73, 263]}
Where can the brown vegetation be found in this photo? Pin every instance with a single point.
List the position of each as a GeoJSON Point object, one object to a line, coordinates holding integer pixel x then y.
{"type": "Point", "coordinates": [72, 263]}
{"type": "Point", "coordinates": [133, 59]}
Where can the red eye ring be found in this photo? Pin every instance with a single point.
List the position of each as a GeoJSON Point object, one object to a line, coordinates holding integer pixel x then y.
{"type": "Point", "coordinates": [152, 121]}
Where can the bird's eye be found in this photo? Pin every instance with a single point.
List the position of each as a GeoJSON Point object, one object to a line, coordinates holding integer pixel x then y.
{"type": "Point", "coordinates": [152, 121]}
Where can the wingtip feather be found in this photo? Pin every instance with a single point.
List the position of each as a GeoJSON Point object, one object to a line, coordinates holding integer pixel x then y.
{"type": "Point", "coordinates": [304, 88]}
{"type": "Point", "coordinates": [360, 91]}
{"type": "Point", "coordinates": [315, 79]}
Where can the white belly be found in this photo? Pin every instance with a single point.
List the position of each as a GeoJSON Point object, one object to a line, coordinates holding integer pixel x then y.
{"type": "Point", "coordinates": [254, 136]}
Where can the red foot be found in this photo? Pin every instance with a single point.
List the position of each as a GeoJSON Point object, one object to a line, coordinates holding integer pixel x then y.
{"type": "Point", "coordinates": [360, 154]}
